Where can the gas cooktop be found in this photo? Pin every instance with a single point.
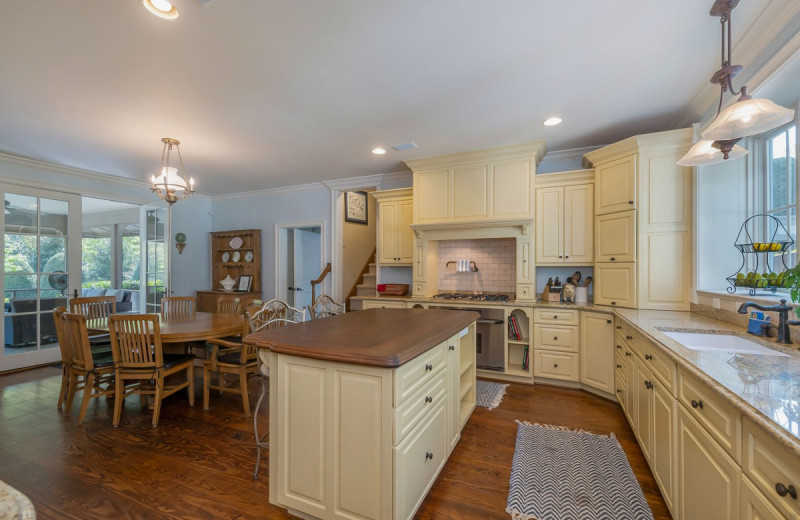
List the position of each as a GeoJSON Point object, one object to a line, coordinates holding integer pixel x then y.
{"type": "Point", "coordinates": [475, 297]}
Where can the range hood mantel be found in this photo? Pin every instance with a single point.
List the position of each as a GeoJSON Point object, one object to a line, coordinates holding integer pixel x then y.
{"type": "Point", "coordinates": [472, 230]}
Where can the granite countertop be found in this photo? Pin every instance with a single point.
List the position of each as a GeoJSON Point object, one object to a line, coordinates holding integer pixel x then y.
{"type": "Point", "coordinates": [509, 303]}
{"type": "Point", "coordinates": [765, 389]}
{"type": "Point", "coordinates": [14, 505]}
{"type": "Point", "coordinates": [386, 338]}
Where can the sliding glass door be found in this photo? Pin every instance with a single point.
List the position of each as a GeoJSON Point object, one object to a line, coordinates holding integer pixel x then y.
{"type": "Point", "coordinates": [41, 244]}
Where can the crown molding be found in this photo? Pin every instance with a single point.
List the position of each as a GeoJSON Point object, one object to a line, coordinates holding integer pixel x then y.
{"type": "Point", "coordinates": [314, 186]}
{"type": "Point", "coordinates": [671, 139]}
{"type": "Point", "coordinates": [73, 172]}
{"type": "Point", "coordinates": [534, 149]}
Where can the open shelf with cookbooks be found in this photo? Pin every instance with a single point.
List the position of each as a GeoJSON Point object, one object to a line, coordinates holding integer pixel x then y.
{"type": "Point", "coordinates": [518, 351]}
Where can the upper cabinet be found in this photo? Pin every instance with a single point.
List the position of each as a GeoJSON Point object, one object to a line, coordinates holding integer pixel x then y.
{"type": "Point", "coordinates": [494, 185]}
{"type": "Point", "coordinates": [395, 239]}
{"type": "Point", "coordinates": [564, 218]}
{"type": "Point", "coordinates": [643, 208]}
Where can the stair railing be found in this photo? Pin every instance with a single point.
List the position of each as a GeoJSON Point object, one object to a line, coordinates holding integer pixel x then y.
{"type": "Point", "coordinates": [318, 281]}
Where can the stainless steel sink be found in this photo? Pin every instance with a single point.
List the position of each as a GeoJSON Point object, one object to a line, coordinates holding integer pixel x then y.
{"type": "Point", "coordinates": [721, 341]}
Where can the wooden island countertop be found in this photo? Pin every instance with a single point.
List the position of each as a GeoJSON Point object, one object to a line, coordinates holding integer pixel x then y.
{"type": "Point", "coordinates": [386, 338]}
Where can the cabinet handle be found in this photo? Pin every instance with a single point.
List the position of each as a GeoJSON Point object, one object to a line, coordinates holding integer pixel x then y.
{"type": "Point", "coordinates": [428, 367]}
{"type": "Point", "coordinates": [428, 455]}
{"type": "Point", "coordinates": [428, 399]}
{"type": "Point", "coordinates": [613, 259]}
{"type": "Point", "coordinates": [619, 366]}
{"type": "Point", "coordinates": [619, 327]}
{"type": "Point", "coordinates": [697, 404]}
{"type": "Point", "coordinates": [608, 321]}
{"type": "Point", "coordinates": [619, 347]}
{"type": "Point", "coordinates": [783, 490]}
{"type": "Point", "coordinates": [630, 202]}
{"type": "Point", "coordinates": [452, 347]}
{"type": "Point", "coordinates": [648, 357]}
{"type": "Point", "coordinates": [648, 384]}
{"type": "Point", "coordinates": [619, 390]}
{"type": "Point", "coordinates": [613, 303]}
{"type": "Point", "coordinates": [627, 354]}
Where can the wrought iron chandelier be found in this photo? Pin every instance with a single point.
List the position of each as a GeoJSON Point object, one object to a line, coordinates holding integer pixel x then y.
{"type": "Point", "coordinates": [746, 117]}
{"type": "Point", "coordinates": [171, 183]}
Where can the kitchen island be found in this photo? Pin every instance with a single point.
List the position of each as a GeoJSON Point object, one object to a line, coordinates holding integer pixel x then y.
{"type": "Point", "coordinates": [365, 409]}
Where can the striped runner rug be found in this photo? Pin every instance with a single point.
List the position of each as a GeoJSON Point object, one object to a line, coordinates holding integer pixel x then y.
{"type": "Point", "coordinates": [562, 474]}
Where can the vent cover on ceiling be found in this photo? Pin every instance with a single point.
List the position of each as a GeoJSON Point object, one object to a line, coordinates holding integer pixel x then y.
{"type": "Point", "coordinates": [405, 146]}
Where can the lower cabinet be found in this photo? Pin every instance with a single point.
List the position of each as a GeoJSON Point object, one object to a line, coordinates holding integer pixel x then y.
{"type": "Point", "coordinates": [597, 351]}
{"type": "Point", "coordinates": [352, 441]}
{"type": "Point", "coordinates": [754, 505]}
{"type": "Point", "coordinates": [708, 479]}
{"type": "Point", "coordinates": [385, 304]}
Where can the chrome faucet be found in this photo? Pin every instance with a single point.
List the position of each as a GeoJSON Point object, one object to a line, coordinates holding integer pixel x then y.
{"type": "Point", "coordinates": [783, 318]}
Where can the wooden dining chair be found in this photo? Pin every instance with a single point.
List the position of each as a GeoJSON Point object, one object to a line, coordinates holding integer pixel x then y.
{"type": "Point", "coordinates": [325, 306]}
{"type": "Point", "coordinates": [94, 375]}
{"type": "Point", "coordinates": [262, 373]}
{"type": "Point", "coordinates": [229, 305]}
{"type": "Point", "coordinates": [178, 306]}
{"type": "Point", "coordinates": [139, 358]}
{"type": "Point", "coordinates": [97, 309]}
{"type": "Point", "coordinates": [66, 352]}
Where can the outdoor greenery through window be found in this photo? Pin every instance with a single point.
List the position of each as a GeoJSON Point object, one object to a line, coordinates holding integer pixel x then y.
{"type": "Point", "coordinates": [781, 187]}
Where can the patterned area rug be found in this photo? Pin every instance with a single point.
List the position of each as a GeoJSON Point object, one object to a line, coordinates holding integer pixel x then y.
{"type": "Point", "coordinates": [562, 474]}
{"type": "Point", "coordinates": [489, 394]}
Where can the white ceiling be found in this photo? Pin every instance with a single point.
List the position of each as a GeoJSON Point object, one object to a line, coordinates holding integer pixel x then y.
{"type": "Point", "coordinates": [270, 93]}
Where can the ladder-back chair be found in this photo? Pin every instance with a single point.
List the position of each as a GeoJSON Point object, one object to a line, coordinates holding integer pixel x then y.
{"type": "Point", "coordinates": [94, 375]}
{"type": "Point", "coordinates": [178, 306]}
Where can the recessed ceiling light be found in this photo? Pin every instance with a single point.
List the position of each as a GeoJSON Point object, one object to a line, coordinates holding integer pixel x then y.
{"type": "Point", "coordinates": [551, 121]}
{"type": "Point", "coordinates": [378, 151]}
{"type": "Point", "coordinates": [161, 8]}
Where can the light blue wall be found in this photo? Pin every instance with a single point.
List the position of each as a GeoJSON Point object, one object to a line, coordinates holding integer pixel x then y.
{"type": "Point", "coordinates": [191, 270]}
{"type": "Point", "coordinates": [266, 209]}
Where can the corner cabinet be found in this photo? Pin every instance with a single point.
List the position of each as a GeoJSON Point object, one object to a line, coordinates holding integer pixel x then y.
{"type": "Point", "coordinates": [564, 218]}
{"type": "Point", "coordinates": [597, 350]}
{"type": "Point", "coordinates": [395, 238]}
{"type": "Point", "coordinates": [643, 218]}
{"type": "Point", "coordinates": [233, 253]}
{"type": "Point", "coordinates": [473, 187]}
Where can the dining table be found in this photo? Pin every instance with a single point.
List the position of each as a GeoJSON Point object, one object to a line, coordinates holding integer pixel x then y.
{"type": "Point", "coordinates": [199, 326]}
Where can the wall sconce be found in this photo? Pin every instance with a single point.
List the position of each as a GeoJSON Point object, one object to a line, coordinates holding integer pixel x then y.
{"type": "Point", "coordinates": [180, 242]}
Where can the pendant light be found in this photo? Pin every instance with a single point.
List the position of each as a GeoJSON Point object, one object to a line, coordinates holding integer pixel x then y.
{"type": "Point", "coordinates": [171, 184]}
{"type": "Point", "coordinates": [746, 117]}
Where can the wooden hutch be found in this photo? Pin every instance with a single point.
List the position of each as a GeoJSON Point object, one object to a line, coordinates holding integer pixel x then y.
{"type": "Point", "coordinates": [234, 258]}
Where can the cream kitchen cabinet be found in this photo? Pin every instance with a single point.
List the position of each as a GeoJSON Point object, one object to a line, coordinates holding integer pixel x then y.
{"type": "Point", "coordinates": [564, 220]}
{"type": "Point", "coordinates": [383, 303]}
{"type": "Point", "coordinates": [597, 351]}
{"type": "Point", "coordinates": [395, 238]}
{"type": "Point", "coordinates": [475, 187]}
{"type": "Point", "coordinates": [556, 344]}
{"type": "Point", "coordinates": [638, 179]}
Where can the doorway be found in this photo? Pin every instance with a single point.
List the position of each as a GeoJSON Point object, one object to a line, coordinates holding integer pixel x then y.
{"type": "Point", "coordinates": [299, 259]}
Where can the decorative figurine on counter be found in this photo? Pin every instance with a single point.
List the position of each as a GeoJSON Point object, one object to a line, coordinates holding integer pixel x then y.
{"type": "Point", "coordinates": [569, 287]}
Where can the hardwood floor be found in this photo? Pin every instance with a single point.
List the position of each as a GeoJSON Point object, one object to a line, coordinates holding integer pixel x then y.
{"type": "Point", "coordinates": [198, 465]}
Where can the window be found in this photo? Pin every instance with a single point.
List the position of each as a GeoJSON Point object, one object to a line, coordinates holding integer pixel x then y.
{"type": "Point", "coordinates": [780, 170]}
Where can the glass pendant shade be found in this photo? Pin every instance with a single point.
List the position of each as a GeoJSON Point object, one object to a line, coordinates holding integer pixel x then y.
{"type": "Point", "coordinates": [171, 183]}
{"type": "Point", "coordinates": [703, 152]}
{"type": "Point", "coordinates": [747, 117]}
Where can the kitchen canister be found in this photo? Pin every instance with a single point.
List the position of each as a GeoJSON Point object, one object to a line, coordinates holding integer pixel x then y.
{"type": "Point", "coordinates": [581, 295]}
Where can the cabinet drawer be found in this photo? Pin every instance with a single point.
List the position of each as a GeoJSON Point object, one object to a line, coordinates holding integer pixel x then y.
{"type": "Point", "coordinates": [555, 365]}
{"type": "Point", "coordinates": [555, 316]}
{"type": "Point", "coordinates": [657, 361]}
{"type": "Point", "coordinates": [417, 461]}
{"type": "Point", "coordinates": [721, 420]}
{"type": "Point", "coordinates": [377, 304]}
{"type": "Point", "coordinates": [552, 337]}
{"type": "Point", "coordinates": [408, 414]}
{"type": "Point", "coordinates": [754, 504]}
{"type": "Point", "coordinates": [767, 463]}
{"type": "Point", "coordinates": [416, 373]}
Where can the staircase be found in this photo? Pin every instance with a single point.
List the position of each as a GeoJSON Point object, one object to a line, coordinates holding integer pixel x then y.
{"type": "Point", "coordinates": [365, 286]}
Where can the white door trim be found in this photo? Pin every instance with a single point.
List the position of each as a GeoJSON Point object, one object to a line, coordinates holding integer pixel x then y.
{"type": "Point", "coordinates": [280, 288]}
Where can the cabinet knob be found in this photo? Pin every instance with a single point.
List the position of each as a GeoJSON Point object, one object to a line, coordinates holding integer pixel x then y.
{"type": "Point", "coordinates": [613, 259]}
{"type": "Point", "coordinates": [428, 455]}
{"type": "Point", "coordinates": [559, 256]}
{"type": "Point", "coordinates": [627, 354]}
{"type": "Point", "coordinates": [428, 367]}
{"type": "Point", "coordinates": [697, 404]}
{"type": "Point", "coordinates": [567, 256]}
{"type": "Point", "coordinates": [628, 337]}
{"type": "Point", "coordinates": [619, 390]}
{"type": "Point", "coordinates": [452, 347]}
{"type": "Point", "coordinates": [555, 338]}
{"type": "Point", "coordinates": [648, 384]}
{"type": "Point", "coordinates": [555, 317]}
{"type": "Point", "coordinates": [555, 365]}
{"type": "Point", "coordinates": [613, 303]}
{"type": "Point", "coordinates": [630, 202]}
{"type": "Point", "coordinates": [783, 490]}
{"type": "Point", "coordinates": [619, 327]}
{"type": "Point", "coordinates": [428, 399]}
{"type": "Point", "coordinates": [619, 347]}
{"type": "Point", "coordinates": [608, 321]}
{"type": "Point", "coordinates": [648, 357]}
{"type": "Point", "coordinates": [619, 366]}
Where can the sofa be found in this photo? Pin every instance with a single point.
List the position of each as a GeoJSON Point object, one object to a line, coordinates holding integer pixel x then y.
{"type": "Point", "coordinates": [124, 301]}
{"type": "Point", "coordinates": [20, 329]}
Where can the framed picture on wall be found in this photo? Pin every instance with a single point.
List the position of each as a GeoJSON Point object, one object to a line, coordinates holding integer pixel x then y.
{"type": "Point", "coordinates": [355, 206]}
{"type": "Point", "coordinates": [244, 283]}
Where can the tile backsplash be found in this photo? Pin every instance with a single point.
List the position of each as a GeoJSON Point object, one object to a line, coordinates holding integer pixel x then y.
{"type": "Point", "coordinates": [495, 258]}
